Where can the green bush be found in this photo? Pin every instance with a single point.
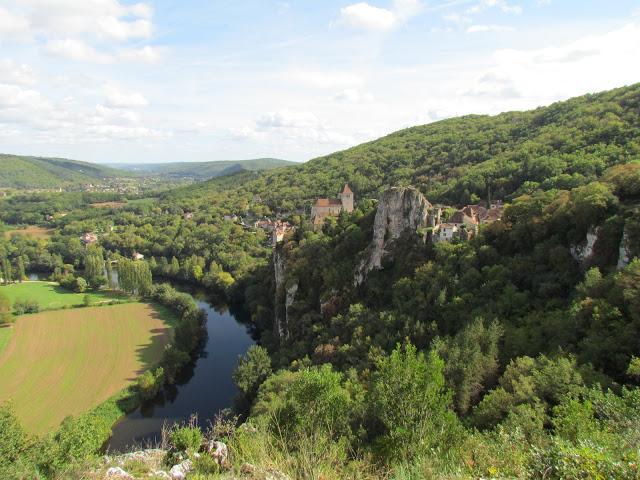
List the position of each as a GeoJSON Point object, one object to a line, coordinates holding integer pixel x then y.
{"type": "Point", "coordinates": [410, 405]}
{"type": "Point", "coordinates": [150, 383]}
{"type": "Point", "coordinates": [21, 307]}
{"type": "Point", "coordinates": [186, 438]}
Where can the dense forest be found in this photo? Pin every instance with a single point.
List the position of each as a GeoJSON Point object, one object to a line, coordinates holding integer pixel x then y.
{"type": "Point", "coordinates": [512, 355]}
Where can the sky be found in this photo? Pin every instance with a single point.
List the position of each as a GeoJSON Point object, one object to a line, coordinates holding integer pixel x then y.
{"type": "Point", "coordinates": [199, 80]}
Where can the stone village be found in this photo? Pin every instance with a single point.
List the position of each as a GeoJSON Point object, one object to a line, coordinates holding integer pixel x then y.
{"type": "Point", "coordinates": [445, 223]}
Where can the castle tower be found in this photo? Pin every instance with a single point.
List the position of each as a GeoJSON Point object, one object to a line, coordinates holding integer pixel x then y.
{"type": "Point", "coordinates": [346, 197]}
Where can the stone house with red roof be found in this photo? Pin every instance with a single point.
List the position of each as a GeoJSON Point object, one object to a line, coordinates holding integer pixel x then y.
{"type": "Point", "coordinates": [331, 207]}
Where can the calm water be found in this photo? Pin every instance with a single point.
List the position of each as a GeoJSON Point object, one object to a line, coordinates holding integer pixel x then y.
{"type": "Point", "coordinates": [204, 388]}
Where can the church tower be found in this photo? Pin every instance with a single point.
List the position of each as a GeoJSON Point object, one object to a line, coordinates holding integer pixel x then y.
{"type": "Point", "coordinates": [346, 197]}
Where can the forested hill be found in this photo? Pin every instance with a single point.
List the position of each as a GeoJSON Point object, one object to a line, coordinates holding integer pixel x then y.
{"type": "Point", "coordinates": [459, 160]}
{"type": "Point", "coordinates": [36, 172]}
{"type": "Point", "coordinates": [204, 170]}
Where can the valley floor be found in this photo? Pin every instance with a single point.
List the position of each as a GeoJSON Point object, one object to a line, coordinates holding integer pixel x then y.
{"type": "Point", "coordinates": [79, 357]}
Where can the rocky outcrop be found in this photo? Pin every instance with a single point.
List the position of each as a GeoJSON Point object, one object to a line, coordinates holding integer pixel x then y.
{"type": "Point", "coordinates": [583, 252]}
{"type": "Point", "coordinates": [180, 471]}
{"type": "Point", "coordinates": [219, 452]}
{"type": "Point", "coordinates": [118, 473]}
{"type": "Point", "coordinates": [400, 210]}
{"type": "Point", "coordinates": [285, 296]}
{"type": "Point", "coordinates": [279, 276]}
{"type": "Point", "coordinates": [624, 252]}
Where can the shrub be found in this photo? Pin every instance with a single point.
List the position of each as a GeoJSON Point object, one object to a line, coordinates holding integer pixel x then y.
{"type": "Point", "coordinates": [186, 438]}
{"type": "Point", "coordinates": [80, 285]}
{"type": "Point", "coordinates": [14, 442]}
{"type": "Point", "coordinates": [5, 310]}
{"type": "Point", "coordinates": [150, 383]}
{"type": "Point", "coordinates": [253, 369]}
{"type": "Point", "coordinates": [410, 405]}
{"type": "Point", "coordinates": [21, 307]}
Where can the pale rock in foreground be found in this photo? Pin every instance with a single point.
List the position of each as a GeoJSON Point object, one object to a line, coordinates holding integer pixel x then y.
{"type": "Point", "coordinates": [218, 451]}
{"type": "Point", "coordinates": [179, 472]}
{"type": "Point", "coordinates": [118, 473]}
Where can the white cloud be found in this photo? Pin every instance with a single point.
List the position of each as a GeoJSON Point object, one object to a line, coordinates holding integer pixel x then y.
{"type": "Point", "coordinates": [364, 16]}
{"type": "Point", "coordinates": [68, 121]}
{"type": "Point", "coordinates": [494, 84]}
{"type": "Point", "coordinates": [503, 5]}
{"type": "Point", "coordinates": [296, 129]}
{"type": "Point", "coordinates": [141, 55]}
{"type": "Point", "coordinates": [119, 99]}
{"type": "Point", "coordinates": [555, 72]}
{"type": "Point", "coordinates": [13, 73]}
{"type": "Point", "coordinates": [489, 28]}
{"type": "Point", "coordinates": [103, 18]}
{"type": "Point", "coordinates": [13, 26]}
{"type": "Point", "coordinates": [77, 50]}
{"type": "Point", "coordinates": [286, 119]}
{"type": "Point", "coordinates": [97, 31]}
{"type": "Point", "coordinates": [322, 79]}
{"type": "Point", "coordinates": [352, 95]}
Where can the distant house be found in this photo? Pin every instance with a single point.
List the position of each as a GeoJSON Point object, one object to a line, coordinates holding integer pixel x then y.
{"type": "Point", "coordinates": [137, 256]}
{"type": "Point", "coordinates": [331, 207]}
{"type": "Point", "coordinates": [230, 218]}
{"type": "Point", "coordinates": [89, 238]}
{"type": "Point", "coordinates": [280, 230]}
{"type": "Point", "coordinates": [464, 223]}
{"type": "Point", "coordinates": [188, 215]}
{"type": "Point", "coordinates": [3, 194]}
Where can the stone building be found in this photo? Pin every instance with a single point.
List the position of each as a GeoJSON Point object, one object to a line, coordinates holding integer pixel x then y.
{"type": "Point", "coordinates": [331, 207]}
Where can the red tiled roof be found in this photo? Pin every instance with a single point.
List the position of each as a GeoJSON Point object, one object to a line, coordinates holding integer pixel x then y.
{"type": "Point", "coordinates": [346, 189]}
{"type": "Point", "coordinates": [326, 202]}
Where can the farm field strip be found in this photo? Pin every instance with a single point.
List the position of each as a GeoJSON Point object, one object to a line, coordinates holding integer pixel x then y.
{"type": "Point", "coordinates": [66, 362]}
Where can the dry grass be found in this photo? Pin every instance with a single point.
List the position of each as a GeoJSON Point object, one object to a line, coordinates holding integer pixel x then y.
{"type": "Point", "coordinates": [65, 362]}
{"type": "Point", "coordinates": [32, 231]}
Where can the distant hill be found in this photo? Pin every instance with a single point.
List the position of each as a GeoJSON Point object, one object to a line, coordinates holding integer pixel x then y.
{"type": "Point", "coordinates": [466, 159]}
{"type": "Point", "coordinates": [203, 170]}
{"type": "Point", "coordinates": [38, 172]}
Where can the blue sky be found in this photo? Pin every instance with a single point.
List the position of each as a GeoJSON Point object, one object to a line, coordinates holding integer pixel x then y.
{"type": "Point", "coordinates": [156, 81]}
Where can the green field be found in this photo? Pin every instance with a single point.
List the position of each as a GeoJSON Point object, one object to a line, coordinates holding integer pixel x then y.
{"type": "Point", "coordinates": [5, 335]}
{"type": "Point", "coordinates": [51, 295]}
{"type": "Point", "coordinates": [65, 362]}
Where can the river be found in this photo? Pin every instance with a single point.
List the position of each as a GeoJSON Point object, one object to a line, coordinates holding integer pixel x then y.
{"type": "Point", "coordinates": [204, 387]}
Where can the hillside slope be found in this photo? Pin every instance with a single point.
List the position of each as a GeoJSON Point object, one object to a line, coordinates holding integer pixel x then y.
{"type": "Point", "coordinates": [204, 170]}
{"type": "Point", "coordinates": [36, 172]}
{"type": "Point", "coordinates": [460, 160]}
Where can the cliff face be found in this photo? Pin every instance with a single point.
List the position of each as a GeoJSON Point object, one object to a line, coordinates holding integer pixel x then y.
{"type": "Point", "coordinates": [399, 210]}
{"type": "Point", "coordinates": [285, 296]}
{"type": "Point", "coordinates": [583, 252]}
{"type": "Point", "coordinates": [624, 252]}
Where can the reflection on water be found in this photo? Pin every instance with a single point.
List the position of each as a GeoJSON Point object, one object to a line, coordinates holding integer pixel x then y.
{"type": "Point", "coordinates": [204, 387]}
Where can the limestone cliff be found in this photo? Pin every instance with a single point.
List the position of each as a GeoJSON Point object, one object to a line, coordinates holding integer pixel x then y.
{"type": "Point", "coordinates": [624, 253]}
{"type": "Point", "coordinates": [399, 210]}
{"type": "Point", "coordinates": [583, 252]}
{"type": "Point", "coordinates": [284, 296]}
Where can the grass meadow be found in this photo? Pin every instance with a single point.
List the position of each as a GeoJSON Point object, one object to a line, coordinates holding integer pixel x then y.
{"type": "Point", "coordinates": [51, 296]}
{"type": "Point", "coordinates": [65, 362]}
